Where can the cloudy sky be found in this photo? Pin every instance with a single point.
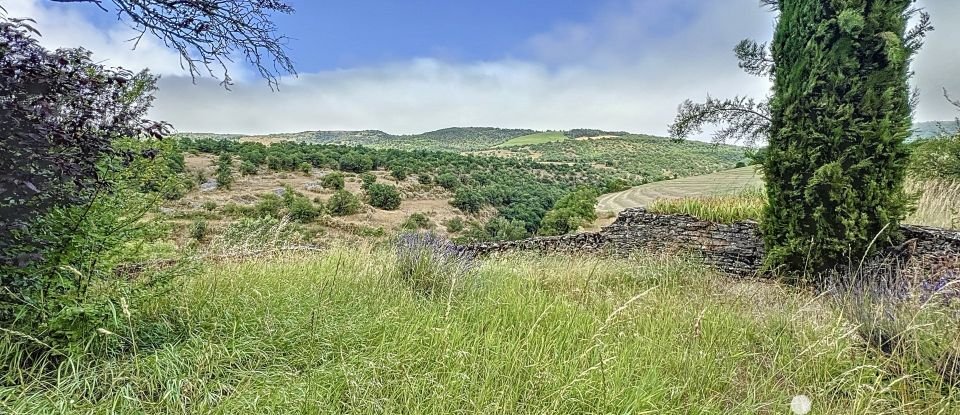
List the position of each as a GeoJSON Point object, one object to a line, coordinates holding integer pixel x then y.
{"type": "Point", "coordinates": [419, 65]}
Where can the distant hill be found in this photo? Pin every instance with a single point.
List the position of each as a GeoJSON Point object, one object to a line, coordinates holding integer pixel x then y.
{"type": "Point", "coordinates": [928, 129]}
{"type": "Point", "coordinates": [447, 139]}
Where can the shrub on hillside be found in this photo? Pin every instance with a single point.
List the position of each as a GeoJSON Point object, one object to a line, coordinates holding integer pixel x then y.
{"type": "Point", "coordinates": [225, 171]}
{"type": "Point", "coordinates": [468, 200]}
{"type": "Point", "coordinates": [247, 168]}
{"type": "Point", "coordinates": [417, 221]}
{"type": "Point", "coordinates": [570, 212]}
{"type": "Point", "coordinates": [455, 225]}
{"type": "Point", "coordinates": [399, 173]}
{"type": "Point", "coordinates": [332, 181]}
{"type": "Point", "coordinates": [355, 162]}
{"type": "Point", "coordinates": [383, 196]}
{"type": "Point", "coordinates": [366, 179]}
{"type": "Point", "coordinates": [448, 181]}
{"type": "Point", "coordinates": [301, 209]}
{"type": "Point", "coordinates": [343, 203]}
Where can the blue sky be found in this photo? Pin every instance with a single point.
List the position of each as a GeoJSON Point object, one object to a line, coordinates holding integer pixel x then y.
{"type": "Point", "coordinates": [417, 65]}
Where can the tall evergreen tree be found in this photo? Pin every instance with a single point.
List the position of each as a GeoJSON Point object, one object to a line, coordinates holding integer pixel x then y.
{"type": "Point", "coordinates": [840, 114]}
{"type": "Point", "coordinates": [836, 125]}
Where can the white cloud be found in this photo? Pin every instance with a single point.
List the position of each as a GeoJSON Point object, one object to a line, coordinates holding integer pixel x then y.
{"type": "Point", "coordinates": [625, 69]}
{"type": "Point", "coordinates": [937, 66]}
{"type": "Point", "coordinates": [64, 26]}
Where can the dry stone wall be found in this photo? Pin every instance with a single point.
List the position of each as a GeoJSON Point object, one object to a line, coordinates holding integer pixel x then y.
{"type": "Point", "coordinates": [735, 248]}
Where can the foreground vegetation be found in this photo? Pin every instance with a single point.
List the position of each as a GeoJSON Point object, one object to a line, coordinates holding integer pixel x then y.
{"type": "Point", "coordinates": [348, 331]}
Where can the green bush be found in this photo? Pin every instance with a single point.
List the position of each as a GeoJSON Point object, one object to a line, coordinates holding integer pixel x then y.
{"type": "Point", "coordinates": [570, 212]}
{"type": "Point", "coordinates": [455, 225]}
{"type": "Point", "coordinates": [383, 196]}
{"type": "Point", "coordinates": [305, 168]}
{"type": "Point", "coordinates": [399, 173]}
{"type": "Point", "coordinates": [366, 179]}
{"type": "Point", "coordinates": [224, 171]}
{"type": "Point", "coordinates": [247, 168]}
{"type": "Point", "coordinates": [354, 162]}
{"type": "Point", "coordinates": [302, 210]}
{"type": "Point", "coordinates": [269, 205]}
{"type": "Point", "coordinates": [198, 230]}
{"type": "Point", "coordinates": [424, 179]}
{"type": "Point", "coordinates": [332, 181]}
{"type": "Point", "coordinates": [343, 203]}
{"type": "Point", "coordinates": [417, 221]}
{"type": "Point", "coordinates": [937, 158]}
{"type": "Point", "coordinates": [468, 200]}
{"type": "Point", "coordinates": [448, 181]}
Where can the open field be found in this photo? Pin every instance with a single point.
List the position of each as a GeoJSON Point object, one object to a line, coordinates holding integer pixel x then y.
{"type": "Point", "coordinates": [343, 332]}
{"type": "Point", "coordinates": [536, 138]}
{"type": "Point", "coordinates": [720, 183]}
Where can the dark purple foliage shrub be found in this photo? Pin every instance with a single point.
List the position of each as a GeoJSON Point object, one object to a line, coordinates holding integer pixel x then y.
{"type": "Point", "coordinates": [59, 114]}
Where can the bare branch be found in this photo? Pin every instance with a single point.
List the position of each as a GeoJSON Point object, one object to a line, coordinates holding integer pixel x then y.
{"type": "Point", "coordinates": [207, 33]}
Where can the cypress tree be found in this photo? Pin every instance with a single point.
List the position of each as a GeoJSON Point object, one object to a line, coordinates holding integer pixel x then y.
{"type": "Point", "coordinates": [840, 112]}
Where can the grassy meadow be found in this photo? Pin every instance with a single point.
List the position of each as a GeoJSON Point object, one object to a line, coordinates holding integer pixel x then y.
{"type": "Point", "coordinates": [535, 138]}
{"type": "Point", "coordinates": [343, 331]}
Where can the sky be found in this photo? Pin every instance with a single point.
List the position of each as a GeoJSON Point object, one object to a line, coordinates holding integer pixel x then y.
{"type": "Point", "coordinates": [419, 65]}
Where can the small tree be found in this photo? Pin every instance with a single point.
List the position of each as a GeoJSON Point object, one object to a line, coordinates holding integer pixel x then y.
{"type": "Point", "coordinates": [247, 168]}
{"type": "Point", "coordinates": [333, 181]}
{"type": "Point", "coordinates": [383, 196]}
{"type": "Point", "coordinates": [399, 173]}
{"type": "Point", "coordinates": [343, 203]}
{"type": "Point", "coordinates": [367, 179]}
{"type": "Point", "coordinates": [225, 171]}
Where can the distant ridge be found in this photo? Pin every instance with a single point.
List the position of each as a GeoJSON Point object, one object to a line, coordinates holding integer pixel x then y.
{"type": "Point", "coordinates": [930, 129]}
{"type": "Point", "coordinates": [449, 139]}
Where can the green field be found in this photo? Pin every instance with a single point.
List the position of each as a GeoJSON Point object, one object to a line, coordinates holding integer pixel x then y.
{"type": "Point", "coordinates": [721, 183]}
{"type": "Point", "coordinates": [344, 332]}
{"type": "Point", "coordinates": [536, 138]}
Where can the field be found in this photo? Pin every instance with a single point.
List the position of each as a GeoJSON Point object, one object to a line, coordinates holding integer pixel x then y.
{"type": "Point", "coordinates": [344, 331]}
{"type": "Point", "coordinates": [537, 138]}
{"type": "Point", "coordinates": [720, 183]}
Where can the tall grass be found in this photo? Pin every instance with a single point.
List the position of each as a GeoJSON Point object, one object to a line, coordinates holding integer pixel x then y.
{"type": "Point", "coordinates": [343, 332]}
{"type": "Point", "coordinates": [747, 204]}
{"type": "Point", "coordinates": [938, 204]}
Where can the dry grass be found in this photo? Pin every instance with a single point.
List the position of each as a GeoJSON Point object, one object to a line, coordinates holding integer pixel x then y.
{"type": "Point", "coordinates": [747, 205]}
{"type": "Point", "coordinates": [938, 204]}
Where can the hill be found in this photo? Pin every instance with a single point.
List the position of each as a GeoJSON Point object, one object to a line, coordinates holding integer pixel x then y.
{"type": "Point", "coordinates": [448, 139]}
{"type": "Point", "coordinates": [928, 129]}
{"type": "Point", "coordinates": [645, 158]}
